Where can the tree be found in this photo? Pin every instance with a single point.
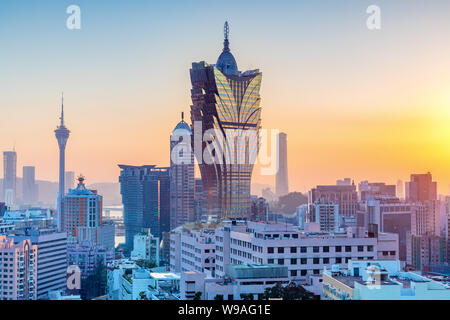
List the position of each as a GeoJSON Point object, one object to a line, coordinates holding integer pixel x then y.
{"type": "Point", "coordinates": [296, 292]}
{"type": "Point", "coordinates": [94, 285]}
{"type": "Point", "coordinates": [198, 295]}
{"type": "Point", "coordinates": [275, 292]}
{"type": "Point", "coordinates": [290, 292]}
{"type": "Point", "coordinates": [218, 297]}
{"type": "Point", "coordinates": [246, 296]}
{"type": "Point", "coordinates": [288, 204]}
{"type": "Point", "coordinates": [146, 264]}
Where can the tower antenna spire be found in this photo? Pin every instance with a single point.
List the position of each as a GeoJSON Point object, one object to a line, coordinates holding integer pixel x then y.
{"type": "Point", "coordinates": [62, 110]}
{"type": "Point", "coordinates": [226, 33]}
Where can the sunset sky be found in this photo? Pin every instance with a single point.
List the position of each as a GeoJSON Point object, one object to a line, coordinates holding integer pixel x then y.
{"type": "Point", "coordinates": [369, 105]}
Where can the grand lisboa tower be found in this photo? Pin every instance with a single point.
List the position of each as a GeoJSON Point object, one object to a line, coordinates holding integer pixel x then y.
{"type": "Point", "coordinates": [226, 105]}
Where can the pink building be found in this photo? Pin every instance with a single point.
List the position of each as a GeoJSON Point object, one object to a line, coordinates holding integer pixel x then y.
{"type": "Point", "coordinates": [18, 269]}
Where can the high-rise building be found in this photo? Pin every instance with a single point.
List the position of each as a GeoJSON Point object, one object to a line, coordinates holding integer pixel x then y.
{"type": "Point", "coordinates": [400, 192]}
{"type": "Point", "coordinates": [9, 177]}
{"type": "Point", "coordinates": [21, 273]}
{"type": "Point", "coordinates": [51, 258]}
{"type": "Point", "coordinates": [421, 188]}
{"type": "Point", "coordinates": [69, 181]}
{"type": "Point", "coordinates": [81, 211]}
{"type": "Point", "coordinates": [326, 214]}
{"type": "Point", "coordinates": [181, 175]}
{"type": "Point", "coordinates": [345, 196]}
{"type": "Point", "coordinates": [145, 194]}
{"type": "Point", "coordinates": [282, 187]}
{"type": "Point", "coordinates": [371, 190]}
{"type": "Point", "coordinates": [62, 135]}
{"type": "Point", "coordinates": [226, 112]}
{"type": "Point", "coordinates": [198, 199]}
{"type": "Point", "coordinates": [29, 186]}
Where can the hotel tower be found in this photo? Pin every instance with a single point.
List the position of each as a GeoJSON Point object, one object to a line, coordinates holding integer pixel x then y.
{"type": "Point", "coordinates": [226, 105]}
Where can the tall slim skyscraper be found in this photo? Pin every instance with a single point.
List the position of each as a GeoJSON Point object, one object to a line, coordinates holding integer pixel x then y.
{"type": "Point", "coordinates": [29, 186]}
{"type": "Point", "coordinates": [226, 103]}
{"type": "Point", "coordinates": [282, 187]}
{"type": "Point", "coordinates": [9, 177]}
{"type": "Point", "coordinates": [181, 175]}
{"type": "Point", "coordinates": [145, 194]}
{"type": "Point", "coordinates": [69, 180]}
{"type": "Point", "coordinates": [62, 135]}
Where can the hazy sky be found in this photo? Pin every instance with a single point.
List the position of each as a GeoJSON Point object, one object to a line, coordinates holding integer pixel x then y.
{"type": "Point", "coordinates": [355, 103]}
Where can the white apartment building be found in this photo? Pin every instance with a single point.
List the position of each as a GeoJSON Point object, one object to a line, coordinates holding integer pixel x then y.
{"type": "Point", "coordinates": [240, 280]}
{"type": "Point", "coordinates": [304, 253]}
{"type": "Point", "coordinates": [192, 250]}
{"type": "Point", "coordinates": [51, 259]}
{"type": "Point", "coordinates": [145, 246]}
{"type": "Point", "coordinates": [380, 280]}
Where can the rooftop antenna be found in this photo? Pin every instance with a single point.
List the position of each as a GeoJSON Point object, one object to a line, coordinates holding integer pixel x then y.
{"type": "Point", "coordinates": [182, 116]}
{"type": "Point", "coordinates": [226, 33]}
{"type": "Point", "coordinates": [62, 110]}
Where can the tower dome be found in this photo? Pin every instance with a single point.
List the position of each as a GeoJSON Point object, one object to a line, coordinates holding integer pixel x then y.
{"type": "Point", "coordinates": [182, 127]}
{"type": "Point", "coordinates": [226, 62]}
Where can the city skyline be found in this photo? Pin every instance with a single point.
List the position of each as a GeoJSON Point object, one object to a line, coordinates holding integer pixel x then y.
{"type": "Point", "coordinates": [384, 120]}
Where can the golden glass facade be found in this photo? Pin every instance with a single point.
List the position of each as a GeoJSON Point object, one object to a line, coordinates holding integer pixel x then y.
{"type": "Point", "coordinates": [230, 105]}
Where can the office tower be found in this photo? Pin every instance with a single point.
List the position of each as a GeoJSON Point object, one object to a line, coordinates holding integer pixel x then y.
{"type": "Point", "coordinates": [29, 186]}
{"type": "Point", "coordinates": [62, 135]}
{"type": "Point", "coordinates": [181, 175]}
{"type": "Point", "coordinates": [69, 181]}
{"type": "Point", "coordinates": [372, 190]}
{"type": "Point", "coordinates": [260, 209]}
{"type": "Point", "coordinates": [400, 193]}
{"type": "Point", "coordinates": [145, 194]}
{"type": "Point", "coordinates": [421, 188]}
{"type": "Point", "coordinates": [282, 187]}
{"type": "Point", "coordinates": [9, 177]}
{"type": "Point", "coordinates": [226, 111]}
{"type": "Point", "coordinates": [81, 207]}
{"type": "Point", "coordinates": [21, 275]}
{"type": "Point", "coordinates": [345, 196]}
{"type": "Point", "coordinates": [344, 182]}
{"type": "Point", "coordinates": [51, 258]}
{"type": "Point", "coordinates": [326, 214]}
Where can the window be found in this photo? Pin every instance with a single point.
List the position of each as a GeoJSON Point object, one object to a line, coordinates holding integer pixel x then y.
{"type": "Point", "coordinates": [280, 250]}
{"type": "Point", "coordinates": [281, 261]}
{"type": "Point", "coordinates": [348, 248]}
{"type": "Point", "coordinates": [326, 260]}
{"type": "Point", "coordinates": [293, 273]}
{"type": "Point", "coordinates": [303, 249]}
{"type": "Point", "coordinates": [370, 248]}
{"type": "Point", "coordinates": [347, 259]}
{"type": "Point", "coordinates": [338, 249]}
{"type": "Point", "coordinates": [303, 272]}
{"type": "Point", "coordinates": [385, 253]}
{"type": "Point", "coordinates": [326, 249]}
{"type": "Point", "coordinates": [293, 261]}
{"type": "Point", "coordinates": [293, 249]}
{"type": "Point", "coordinates": [392, 253]}
{"type": "Point", "coordinates": [316, 261]}
{"type": "Point", "coordinates": [270, 250]}
{"type": "Point", "coordinates": [338, 260]}
{"type": "Point", "coordinates": [360, 248]}
{"type": "Point", "coordinates": [316, 271]}
{"type": "Point", "coordinates": [303, 261]}
{"type": "Point", "coordinates": [270, 261]}
{"type": "Point", "coordinates": [315, 249]}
